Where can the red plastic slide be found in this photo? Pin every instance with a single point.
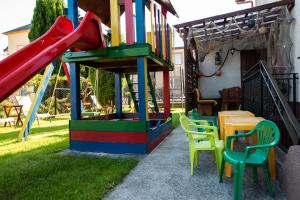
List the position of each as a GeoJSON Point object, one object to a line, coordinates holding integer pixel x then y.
{"type": "Point", "coordinates": [21, 66]}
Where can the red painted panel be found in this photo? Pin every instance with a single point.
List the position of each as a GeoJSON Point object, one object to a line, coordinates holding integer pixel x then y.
{"type": "Point", "coordinates": [166, 89]}
{"type": "Point", "coordinates": [158, 140]}
{"type": "Point", "coordinates": [129, 22]}
{"type": "Point", "coordinates": [98, 136]}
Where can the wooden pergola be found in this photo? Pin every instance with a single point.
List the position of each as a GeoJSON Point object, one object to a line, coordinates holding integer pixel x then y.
{"type": "Point", "coordinates": [223, 26]}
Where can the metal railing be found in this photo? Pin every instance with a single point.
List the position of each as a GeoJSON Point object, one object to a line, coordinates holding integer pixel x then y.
{"type": "Point", "coordinates": [287, 84]}
{"type": "Point", "coordinates": [265, 98]}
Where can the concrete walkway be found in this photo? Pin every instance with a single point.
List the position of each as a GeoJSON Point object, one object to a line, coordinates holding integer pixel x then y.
{"type": "Point", "coordinates": [165, 174]}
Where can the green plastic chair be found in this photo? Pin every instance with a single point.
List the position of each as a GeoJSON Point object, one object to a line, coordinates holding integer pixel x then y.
{"type": "Point", "coordinates": [212, 120]}
{"type": "Point", "coordinates": [209, 143]}
{"type": "Point", "coordinates": [195, 123]}
{"type": "Point", "coordinates": [268, 136]}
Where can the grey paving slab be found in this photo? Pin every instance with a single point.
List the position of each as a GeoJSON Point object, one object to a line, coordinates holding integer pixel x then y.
{"type": "Point", "coordinates": [164, 174]}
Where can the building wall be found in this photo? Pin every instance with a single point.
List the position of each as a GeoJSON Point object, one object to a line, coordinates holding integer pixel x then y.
{"type": "Point", "coordinates": [230, 77]}
{"type": "Point", "coordinates": [261, 2]}
{"type": "Point", "coordinates": [295, 37]}
{"type": "Point", "coordinates": [176, 76]}
{"type": "Point", "coordinates": [17, 40]}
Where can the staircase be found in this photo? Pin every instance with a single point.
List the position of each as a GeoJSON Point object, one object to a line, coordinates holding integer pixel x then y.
{"type": "Point", "coordinates": [134, 93]}
{"type": "Point", "coordinates": [264, 98]}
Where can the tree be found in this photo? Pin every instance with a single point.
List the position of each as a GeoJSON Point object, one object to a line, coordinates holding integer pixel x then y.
{"type": "Point", "coordinates": [103, 83]}
{"type": "Point", "coordinates": [44, 15]}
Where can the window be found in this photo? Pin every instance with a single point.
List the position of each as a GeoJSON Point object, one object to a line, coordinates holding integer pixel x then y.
{"type": "Point", "coordinates": [178, 59]}
{"type": "Point", "coordinates": [20, 46]}
{"type": "Point", "coordinates": [177, 83]}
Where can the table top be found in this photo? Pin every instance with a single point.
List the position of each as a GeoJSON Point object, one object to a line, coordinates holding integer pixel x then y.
{"type": "Point", "coordinates": [9, 106]}
{"type": "Point", "coordinates": [235, 112]}
{"type": "Point", "coordinates": [242, 120]}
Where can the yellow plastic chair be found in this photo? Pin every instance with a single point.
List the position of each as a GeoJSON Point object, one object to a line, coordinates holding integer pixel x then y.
{"type": "Point", "coordinates": [209, 142]}
{"type": "Point", "coordinates": [204, 107]}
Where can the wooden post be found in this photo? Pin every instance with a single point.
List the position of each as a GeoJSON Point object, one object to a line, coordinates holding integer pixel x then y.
{"type": "Point", "coordinates": [159, 34]}
{"type": "Point", "coordinates": [129, 22]}
{"type": "Point", "coordinates": [168, 43]}
{"type": "Point", "coordinates": [115, 22]}
{"type": "Point", "coordinates": [142, 61]}
{"type": "Point", "coordinates": [166, 89]}
{"type": "Point", "coordinates": [156, 31]}
{"type": "Point", "coordinates": [74, 67]}
{"type": "Point", "coordinates": [171, 46]}
{"type": "Point", "coordinates": [165, 35]}
{"type": "Point", "coordinates": [118, 95]}
{"type": "Point", "coordinates": [152, 28]}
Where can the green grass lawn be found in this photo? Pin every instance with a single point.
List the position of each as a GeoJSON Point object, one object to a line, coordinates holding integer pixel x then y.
{"type": "Point", "coordinates": [35, 170]}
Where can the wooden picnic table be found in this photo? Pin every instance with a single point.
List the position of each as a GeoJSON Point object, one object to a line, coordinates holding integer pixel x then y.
{"type": "Point", "coordinates": [8, 113]}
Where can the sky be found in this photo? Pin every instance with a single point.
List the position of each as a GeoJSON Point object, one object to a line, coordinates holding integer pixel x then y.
{"type": "Point", "coordinates": [15, 13]}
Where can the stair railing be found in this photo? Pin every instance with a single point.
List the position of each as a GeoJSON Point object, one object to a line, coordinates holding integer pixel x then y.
{"type": "Point", "coordinates": [263, 97]}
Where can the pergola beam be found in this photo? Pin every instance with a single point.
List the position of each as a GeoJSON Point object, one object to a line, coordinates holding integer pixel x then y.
{"type": "Point", "coordinates": [269, 6]}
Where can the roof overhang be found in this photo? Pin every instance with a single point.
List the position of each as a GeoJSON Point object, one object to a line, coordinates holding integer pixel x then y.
{"type": "Point", "coordinates": [270, 12]}
{"type": "Point", "coordinates": [102, 8]}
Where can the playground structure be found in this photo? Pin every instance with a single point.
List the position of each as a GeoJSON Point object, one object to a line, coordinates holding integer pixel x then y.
{"type": "Point", "coordinates": [119, 132]}
{"type": "Point", "coordinates": [125, 132]}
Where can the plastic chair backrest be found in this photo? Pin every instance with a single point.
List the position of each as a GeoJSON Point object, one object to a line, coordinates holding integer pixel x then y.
{"type": "Point", "coordinates": [212, 120]}
{"type": "Point", "coordinates": [184, 121]}
{"type": "Point", "coordinates": [185, 124]}
{"type": "Point", "coordinates": [95, 101]}
{"type": "Point", "coordinates": [197, 94]}
{"type": "Point", "coordinates": [267, 133]}
{"type": "Point", "coordinates": [26, 102]}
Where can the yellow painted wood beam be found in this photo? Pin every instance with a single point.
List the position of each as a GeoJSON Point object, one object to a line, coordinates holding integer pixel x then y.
{"type": "Point", "coordinates": [115, 23]}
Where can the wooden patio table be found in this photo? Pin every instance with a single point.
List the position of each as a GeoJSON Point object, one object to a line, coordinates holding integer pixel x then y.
{"type": "Point", "coordinates": [233, 124]}
{"type": "Point", "coordinates": [8, 113]}
{"type": "Point", "coordinates": [233, 113]}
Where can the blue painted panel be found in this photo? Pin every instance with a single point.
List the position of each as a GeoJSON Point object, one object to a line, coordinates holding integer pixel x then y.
{"type": "Point", "coordinates": [74, 68]}
{"type": "Point", "coordinates": [73, 12]}
{"type": "Point", "coordinates": [118, 95]}
{"type": "Point", "coordinates": [38, 101]}
{"type": "Point", "coordinates": [140, 21]}
{"type": "Point", "coordinates": [108, 147]}
{"type": "Point", "coordinates": [75, 91]}
{"type": "Point", "coordinates": [154, 133]}
{"type": "Point", "coordinates": [141, 88]}
{"type": "Point", "coordinates": [159, 33]}
{"type": "Point", "coordinates": [168, 43]}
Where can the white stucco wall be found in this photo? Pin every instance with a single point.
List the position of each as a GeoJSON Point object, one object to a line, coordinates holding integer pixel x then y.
{"type": "Point", "coordinates": [231, 75]}
{"type": "Point", "coordinates": [17, 40]}
{"type": "Point", "coordinates": [260, 2]}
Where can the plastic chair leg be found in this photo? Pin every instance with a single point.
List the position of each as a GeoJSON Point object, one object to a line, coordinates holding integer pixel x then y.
{"type": "Point", "coordinates": [197, 158]}
{"type": "Point", "coordinates": [192, 157]}
{"type": "Point", "coordinates": [254, 172]}
{"type": "Point", "coordinates": [215, 155]}
{"type": "Point", "coordinates": [38, 121]}
{"type": "Point", "coordinates": [219, 153]}
{"type": "Point", "coordinates": [268, 180]}
{"type": "Point", "coordinates": [240, 179]}
{"type": "Point", "coordinates": [236, 182]}
{"type": "Point", "coordinates": [222, 170]}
